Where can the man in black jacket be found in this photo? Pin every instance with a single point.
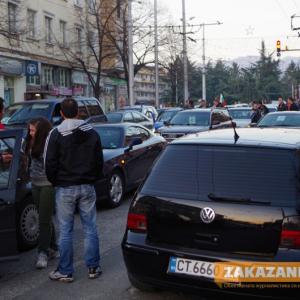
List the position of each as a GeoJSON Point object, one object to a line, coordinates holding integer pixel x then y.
{"type": "Point", "coordinates": [73, 163]}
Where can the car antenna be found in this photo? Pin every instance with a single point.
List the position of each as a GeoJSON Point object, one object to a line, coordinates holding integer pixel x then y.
{"type": "Point", "coordinates": [236, 136]}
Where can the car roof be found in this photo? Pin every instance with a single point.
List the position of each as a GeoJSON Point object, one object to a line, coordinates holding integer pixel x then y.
{"type": "Point", "coordinates": [284, 113]}
{"type": "Point", "coordinates": [285, 138]}
{"type": "Point", "coordinates": [240, 108]}
{"type": "Point", "coordinates": [53, 100]}
{"type": "Point", "coordinates": [116, 125]}
{"type": "Point", "coordinates": [208, 110]}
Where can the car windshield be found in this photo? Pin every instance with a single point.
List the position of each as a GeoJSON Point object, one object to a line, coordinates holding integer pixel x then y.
{"type": "Point", "coordinates": [243, 114]}
{"type": "Point", "coordinates": [280, 120]}
{"type": "Point", "coordinates": [27, 112]}
{"type": "Point", "coordinates": [166, 115]}
{"type": "Point", "coordinates": [191, 118]}
{"type": "Point", "coordinates": [111, 138]}
{"type": "Point", "coordinates": [114, 117]}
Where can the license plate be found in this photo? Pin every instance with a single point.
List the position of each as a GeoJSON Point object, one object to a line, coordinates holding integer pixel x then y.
{"type": "Point", "coordinates": [191, 267]}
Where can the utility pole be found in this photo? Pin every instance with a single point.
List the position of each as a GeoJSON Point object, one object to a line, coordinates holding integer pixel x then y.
{"type": "Point", "coordinates": [184, 53]}
{"type": "Point", "coordinates": [156, 56]}
{"type": "Point", "coordinates": [204, 57]}
{"type": "Point", "coordinates": [130, 55]}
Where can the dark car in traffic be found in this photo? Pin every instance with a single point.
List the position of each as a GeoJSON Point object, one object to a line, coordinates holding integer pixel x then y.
{"type": "Point", "coordinates": [280, 119]}
{"type": "Point", "coordinates": [195, 120]}
{"type": "Point", "coordinates": [165, 116]}
{"type": "Point", "coordinates": [129, 151]}
{"type": "Point", "coordinates": [18, 114]}
{"type": "Point", "coordinates": [130, 117]}
{"type": "Point", "coordinates": [18, 214]}
{"type": "Point", "coordinates": [212, 199]}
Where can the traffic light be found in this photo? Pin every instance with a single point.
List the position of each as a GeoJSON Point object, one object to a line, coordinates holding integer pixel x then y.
{"type": "Point", "coordinates": [278, 47]}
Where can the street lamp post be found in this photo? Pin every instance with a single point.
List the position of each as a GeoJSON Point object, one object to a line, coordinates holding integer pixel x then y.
{"type": "Point", "coordinates": [130, 55]}
{"type": "Point", "coordinates": [204, 58]}
{"type": "Point", "coordinates": [156, 56]}
{"type": "Point", "coordinates": [184, 53]}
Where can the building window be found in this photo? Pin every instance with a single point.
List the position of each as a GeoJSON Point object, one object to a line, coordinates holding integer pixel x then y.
{"type": "Point", "coordinates": [63, 28]}
{"type": "Point", "coordinates": [33, 80]}
{"type": "Point", "coordinates": [92, 6]}
{"type": "Point", "coordinates": [47, 75]}
{"type": "Point", "coordinates": [78, 3]}
{"type": "Point", "coordinates": [63, 77]}
{"type": "Point", "coordinates": [79, 39]}
{"type": "Point", "coordinates": [12, 17]}
{"type": "Point", "coordinates": [31, 23]}
{"type": "Point", "coordinates": [119, 8]}
{"type": "Point", "coordinates": [48, 27]}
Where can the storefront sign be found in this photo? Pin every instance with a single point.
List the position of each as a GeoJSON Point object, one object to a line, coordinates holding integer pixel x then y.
{"type": "Point", "coordinates": [10, 66]}
{"type": "Point", "coordinates": [61, 91]}
{"type": "Point", "coordinates": [31, 68]}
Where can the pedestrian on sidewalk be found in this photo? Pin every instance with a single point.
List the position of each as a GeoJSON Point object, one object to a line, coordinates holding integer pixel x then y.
{"type": "Point", "coordinates": [281, 105]}
{"type": "Point", "coordinates": [42, 190]}
{"type": "Point", "coordinates": [291, 105]}
{"type": "Point", "coordinates": [74, 162]}
{"type": "Point", "coordinates": [1, 112]}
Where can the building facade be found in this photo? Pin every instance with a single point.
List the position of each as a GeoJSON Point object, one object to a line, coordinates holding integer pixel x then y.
{"type": "Point", "coordinates": [41, 46]}
{"type": "Point", "coordinates": [144, 86]}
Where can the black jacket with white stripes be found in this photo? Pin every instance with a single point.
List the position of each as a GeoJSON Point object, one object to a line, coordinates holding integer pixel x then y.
{"type": "Point", "coordinates": [73, 154]}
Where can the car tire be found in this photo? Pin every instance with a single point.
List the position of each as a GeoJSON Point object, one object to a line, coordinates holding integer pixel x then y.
{"type": "Point", "coordinates": [116, 189]}
{"type": "Point", "coordinates": [144, 287]}
{"type": "Point", "coordinates": [27, 224]}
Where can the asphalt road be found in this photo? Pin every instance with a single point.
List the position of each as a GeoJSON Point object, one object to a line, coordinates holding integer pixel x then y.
{"type": "Point", "coordinates": [20, 280]}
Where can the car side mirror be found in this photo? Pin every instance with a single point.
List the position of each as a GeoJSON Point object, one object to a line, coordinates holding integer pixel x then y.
{"type": "Point", "coordinates": [134, 142]}
{"type": "Point", "coordinates": [215, 123]}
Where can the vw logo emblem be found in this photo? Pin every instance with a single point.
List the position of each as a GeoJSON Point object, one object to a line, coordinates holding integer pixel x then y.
{"type": "Point", "coordinates": [31, 69]}
{"type": "Point", "coordinates": [207, 215]}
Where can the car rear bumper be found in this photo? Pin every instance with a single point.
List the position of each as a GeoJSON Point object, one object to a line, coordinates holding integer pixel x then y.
{"type": "Point", "coordinates": [150, 266]}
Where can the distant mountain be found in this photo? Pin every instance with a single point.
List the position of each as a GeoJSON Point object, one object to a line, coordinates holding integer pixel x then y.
{"type": "Point", "coordinates": [246, 61]}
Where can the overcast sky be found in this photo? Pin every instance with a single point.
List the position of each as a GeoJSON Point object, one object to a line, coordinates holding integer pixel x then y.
{"type": "Point", "coordinates": [245, 24]}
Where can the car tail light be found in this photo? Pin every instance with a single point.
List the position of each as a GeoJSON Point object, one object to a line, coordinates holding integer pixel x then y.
{"type": "Point", "coordinates": [137, 222]}
{"type": "Point", "coordinates": [290, 239]}
{"type": "Point", "coordinates": [290, 234]}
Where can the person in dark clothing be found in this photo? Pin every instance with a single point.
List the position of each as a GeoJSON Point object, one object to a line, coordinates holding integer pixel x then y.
{"type": "Point", "coordinates": [42, 190]}
{"type": "Point", "coordinates": [217, 103]}
{"type": "Point", "coordinates": [291, 105]}
{"type": "Point", "coordinates": [281, 105]}
{"type": "Point", "coordinates": [256, 115]}
{"type": "Point", "coordinates": [73, 163]}
{"type": "Point", "coordinates": [262, 108]}
{"type": "Point", "coordinates": [1, 112]}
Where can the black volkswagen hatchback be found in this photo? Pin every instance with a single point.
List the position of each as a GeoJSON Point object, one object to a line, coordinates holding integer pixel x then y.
{"type": "Point", "coordinates": [210, 199]}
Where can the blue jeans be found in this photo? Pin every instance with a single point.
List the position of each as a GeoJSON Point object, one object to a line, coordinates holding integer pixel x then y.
{"type": "Point", "coordinates": [66, 200]}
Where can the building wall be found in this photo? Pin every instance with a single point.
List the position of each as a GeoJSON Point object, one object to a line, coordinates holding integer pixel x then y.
{"type": "Point", "coordinates": [49, 54]}
{"type": "Point", "coordinates": [144, 85]}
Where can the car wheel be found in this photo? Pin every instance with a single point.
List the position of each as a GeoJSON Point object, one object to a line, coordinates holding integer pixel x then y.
{"type": "Point", "coordinates": [116, 189]}
{"type": "Point", "coordinates": [144, 287]}
{"type": "Point", "coordinates": [28, 224]}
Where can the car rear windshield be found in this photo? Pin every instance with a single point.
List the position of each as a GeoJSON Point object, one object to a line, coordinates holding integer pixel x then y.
{"type": "Point", "coordinates": [243, 114]}
{"type": "Point", "coordinates": [191, 119]}
{"type": "Point", "coordinates": [192, 172]}
{"type": "Point", "coordinates": [30, 111]}
{"type": "Point", "coordinates": [114, 117]}
{"type": "Point", "coordinates": [281, 120]}
{"type": "Point", "coordinates": [166, 115]}
{"type": "Point", "coordinates": [111, 137]}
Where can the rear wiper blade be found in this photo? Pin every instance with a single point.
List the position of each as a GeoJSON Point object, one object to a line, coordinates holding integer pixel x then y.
{"type": "Point", "coordinates": [236, 200]}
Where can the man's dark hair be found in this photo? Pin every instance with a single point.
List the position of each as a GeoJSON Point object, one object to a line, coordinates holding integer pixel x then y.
{"type": "Point", "coordinates": [1, 104]}
{"type": "Point", "coordinates": [291, 98]}
{"type": "Point", "coordinates": [260, 102]}
{"type": "Point", "coordinates": [69, 108]}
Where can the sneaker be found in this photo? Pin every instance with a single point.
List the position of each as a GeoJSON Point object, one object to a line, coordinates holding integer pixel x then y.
{"type": "Point", "coordinates": [57, 276]}
{"type": "Point", "coordinates": [52, 254]}
{"type": "Point", "coordinates": [42, 261]}
{"type": "Point", "coordinates": [95, 272]}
